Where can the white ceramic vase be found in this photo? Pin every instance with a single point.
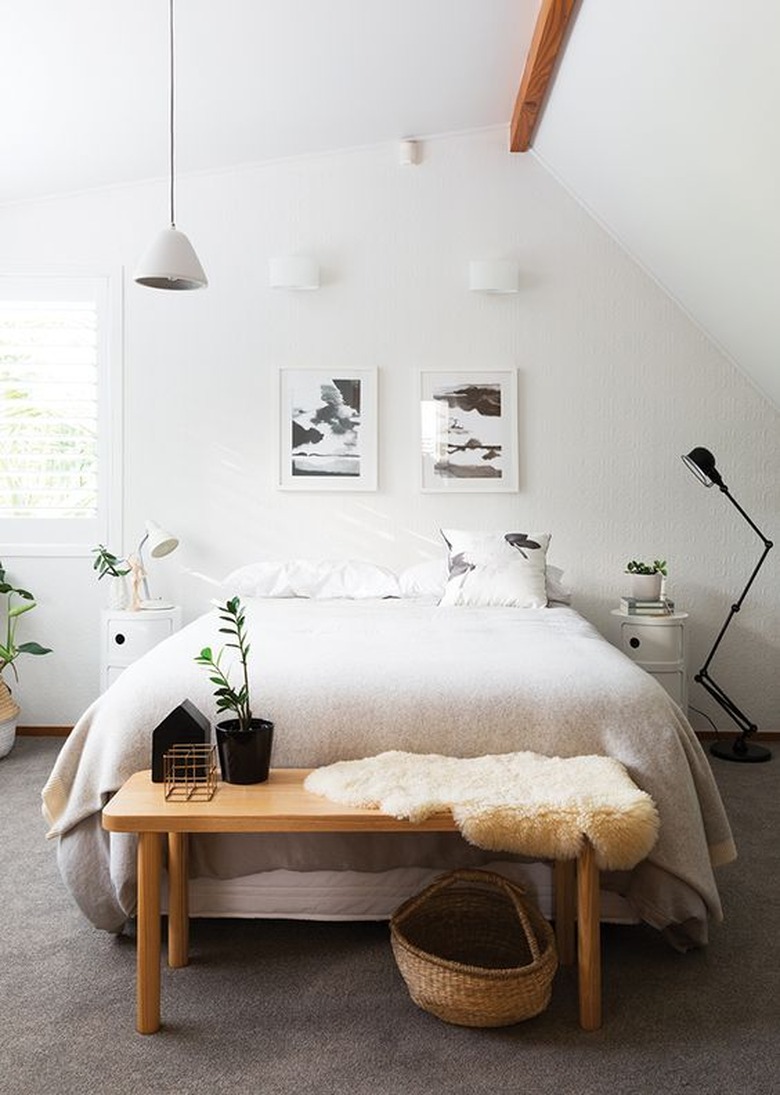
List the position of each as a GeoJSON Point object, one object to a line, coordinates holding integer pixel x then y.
{"type": "Point", "coordinates": [118, 593]}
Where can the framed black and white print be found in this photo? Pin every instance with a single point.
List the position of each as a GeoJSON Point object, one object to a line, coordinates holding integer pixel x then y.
{"type": "Point", "coordinates": [469, 431]}
{"type": "Point", "coordinates": [328, 429]}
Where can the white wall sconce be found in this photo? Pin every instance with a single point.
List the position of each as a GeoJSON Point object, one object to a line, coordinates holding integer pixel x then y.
{"type": "Point", "coordinates": [408, 153]}
{"type": "Point", "coordinates": [494, 276]}
{"type": "Point", "coordinates": [293, 273]}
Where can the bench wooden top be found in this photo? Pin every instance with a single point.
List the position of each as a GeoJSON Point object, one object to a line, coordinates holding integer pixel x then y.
{"type": "Point", "coordinates": [280, 805]}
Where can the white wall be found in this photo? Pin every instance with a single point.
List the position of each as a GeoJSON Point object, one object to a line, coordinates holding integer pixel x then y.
{"type": "Point", "coordinates": [615, 383]}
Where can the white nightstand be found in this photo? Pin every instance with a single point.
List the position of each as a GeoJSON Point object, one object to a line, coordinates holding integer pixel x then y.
{"type": "Point", "coordinates": [658, 644]}
{"type": "Point", "coordinates": [126, 635]}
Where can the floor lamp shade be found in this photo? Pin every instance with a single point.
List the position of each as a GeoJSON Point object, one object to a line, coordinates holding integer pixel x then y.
{"type": "Point", "coordinates": [702, 463]}
{"type": "Point", "coordinates": [171, 263]}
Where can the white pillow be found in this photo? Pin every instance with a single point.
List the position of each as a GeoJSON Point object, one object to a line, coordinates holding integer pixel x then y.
{"type": "Point", "coordinates": [429, 579]}
{"type": "Point", "coordinates": [426, 579]}
{"type": "Point", "coordinates": [349, 578]}
{"type": "Point", "coordinates": [496, 568]}
{"type": "Point", "coordinates": [556, 590]}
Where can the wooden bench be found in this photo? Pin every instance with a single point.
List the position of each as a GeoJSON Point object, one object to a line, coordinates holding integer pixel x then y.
{"type": "Point", "coordinates": [283, 806]}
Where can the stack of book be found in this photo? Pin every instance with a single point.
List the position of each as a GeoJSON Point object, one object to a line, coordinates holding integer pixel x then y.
{"type": "Point", "coordinates": [635, 606]}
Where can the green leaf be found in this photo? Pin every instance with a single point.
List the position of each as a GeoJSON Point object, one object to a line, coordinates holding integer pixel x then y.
{"type": "Point", "coordinates": [33, 648]}
{"type": "Point", "coordinates": [19, 610]}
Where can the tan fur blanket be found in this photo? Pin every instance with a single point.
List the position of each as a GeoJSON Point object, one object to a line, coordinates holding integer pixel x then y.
{"type": "Point", "coordinates": [525, 803]}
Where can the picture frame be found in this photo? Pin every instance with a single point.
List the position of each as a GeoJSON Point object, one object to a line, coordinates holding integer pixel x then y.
{"type": "Point", "coordinates": [327, 429]}
{"type": "Point", "coordinates": [468, 430]}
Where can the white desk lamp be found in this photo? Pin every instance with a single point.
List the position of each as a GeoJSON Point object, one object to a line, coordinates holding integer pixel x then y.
{"type": "Point", "coordinates": [160, 543]}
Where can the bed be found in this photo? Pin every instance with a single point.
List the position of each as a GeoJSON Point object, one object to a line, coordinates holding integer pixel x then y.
{"type": "Point", "coordinates": [358, 666]}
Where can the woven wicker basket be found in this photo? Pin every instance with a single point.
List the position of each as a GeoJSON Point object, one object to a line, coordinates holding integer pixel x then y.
{"type": "Point", "coordinates": [8, 708]}
{"type": "Point", "coordinates": [473, 950]}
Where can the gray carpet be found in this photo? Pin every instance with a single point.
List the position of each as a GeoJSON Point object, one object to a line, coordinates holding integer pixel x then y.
{"type": "Point", "coordinates": [289, 1007]}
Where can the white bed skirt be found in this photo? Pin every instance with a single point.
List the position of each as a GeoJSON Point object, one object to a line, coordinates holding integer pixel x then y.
{"type": "Point", "coordinates": [358, 895]}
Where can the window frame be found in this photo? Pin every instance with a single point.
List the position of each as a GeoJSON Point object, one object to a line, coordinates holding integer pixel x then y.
{"type": "Point", "coordinates": [51, 536]}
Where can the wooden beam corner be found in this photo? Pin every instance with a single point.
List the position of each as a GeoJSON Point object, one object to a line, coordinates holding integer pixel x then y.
{"type": "Point", "coordinates": [546, 47]}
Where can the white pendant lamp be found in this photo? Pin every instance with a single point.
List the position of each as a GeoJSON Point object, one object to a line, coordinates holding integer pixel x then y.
{"type": "Point", "coordinates": [171, 262]}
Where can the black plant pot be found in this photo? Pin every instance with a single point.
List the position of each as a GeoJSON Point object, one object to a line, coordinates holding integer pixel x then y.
{"type": "Point", "coordinates": [245, 755]}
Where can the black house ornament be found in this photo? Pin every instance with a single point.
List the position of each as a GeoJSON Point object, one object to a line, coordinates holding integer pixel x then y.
{"type": "Point", "coordinates": [185, 725]}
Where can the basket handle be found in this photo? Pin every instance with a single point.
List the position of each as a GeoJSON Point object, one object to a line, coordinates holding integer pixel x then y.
{"type": "Point", "coordinates": [465, 874]}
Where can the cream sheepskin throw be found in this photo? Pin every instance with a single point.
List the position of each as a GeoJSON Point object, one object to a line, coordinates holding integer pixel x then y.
{"type": "Point", "coordinates": [525, 803]}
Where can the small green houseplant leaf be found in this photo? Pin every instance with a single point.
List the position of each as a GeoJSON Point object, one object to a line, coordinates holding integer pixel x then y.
{"type": "Point", "coordinates": [10, 649]}
{"type": "Point", "coordinates": [106, 563]}
{"type": "Point", "coordinates": [658, 566]}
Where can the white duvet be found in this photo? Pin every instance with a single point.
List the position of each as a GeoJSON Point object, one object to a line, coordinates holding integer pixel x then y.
{"type": "Point", "coordinates": [347, 679]}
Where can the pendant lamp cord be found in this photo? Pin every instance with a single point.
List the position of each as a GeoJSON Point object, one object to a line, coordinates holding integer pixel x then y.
{"type": "Point", "coordinates": [171, 112]}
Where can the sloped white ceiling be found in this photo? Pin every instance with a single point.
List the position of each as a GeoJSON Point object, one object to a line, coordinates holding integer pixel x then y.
{"type": "Point", "coordinates": [84, 83]}
{"type": "Point", "coordinates": [663, 121]}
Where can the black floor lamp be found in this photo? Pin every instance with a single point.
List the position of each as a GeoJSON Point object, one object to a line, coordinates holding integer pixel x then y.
{"type": "Point", "coordinates": [702, 464]}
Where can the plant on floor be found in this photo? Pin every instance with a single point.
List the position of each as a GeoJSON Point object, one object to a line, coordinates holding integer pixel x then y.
{"type": "Point", "coordinates": [228, 697]}
{"type": "Point", "coordinates": [18, 601]}
{"type": "Point", "coordinates": [658, 566]}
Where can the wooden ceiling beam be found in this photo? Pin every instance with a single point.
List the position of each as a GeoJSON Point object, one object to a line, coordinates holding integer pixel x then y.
{"type": "Point", "coordinates": [546, 46]}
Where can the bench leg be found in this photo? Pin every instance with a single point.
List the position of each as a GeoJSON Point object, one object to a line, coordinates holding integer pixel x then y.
{"type": "Point", "coordinates": [178, 900]}
{"type": "Point", "coordinates": [565, 886]}
{"type": "Point", "coordinates": [148, 944]}
{"type": "Point", "coordinates": [589, 939]}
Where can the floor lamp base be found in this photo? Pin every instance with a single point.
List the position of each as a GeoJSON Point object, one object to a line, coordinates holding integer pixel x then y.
{"type": "Point", "coordinates": [740, 750]}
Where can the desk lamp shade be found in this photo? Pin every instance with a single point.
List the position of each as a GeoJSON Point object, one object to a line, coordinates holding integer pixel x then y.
{"type": "Point", "coordinates": [702, 463]}
{"type": "Point", "coordinates": [159, 542]}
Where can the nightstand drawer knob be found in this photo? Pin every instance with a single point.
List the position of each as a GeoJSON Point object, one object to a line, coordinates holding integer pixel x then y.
{"type": "Point", "coordinates": [634, 642]}
{"type": "Point", "coordinates": [119, 638]}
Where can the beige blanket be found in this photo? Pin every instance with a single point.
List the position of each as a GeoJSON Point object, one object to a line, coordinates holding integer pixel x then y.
{"type": "Point", "coordinates": [343, 680]}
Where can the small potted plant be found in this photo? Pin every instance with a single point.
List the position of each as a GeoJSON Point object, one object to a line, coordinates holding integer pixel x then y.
{"type": "Point", "coordinates": [243, 742]}
{"type": "Point", "coordinates": [109, 565]}
{"type": "Point", "coordinates": [18, 601]}
{"type": "Point", "coordinates": [646, 579]}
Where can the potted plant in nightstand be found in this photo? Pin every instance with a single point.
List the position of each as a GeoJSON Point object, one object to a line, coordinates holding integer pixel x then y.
{"type": "Point", "coordinates": [243, 742]}
{"type": "Point", "coordinates": [646, 579]}
{"type": "Point", "coordinates": [18, 601]}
